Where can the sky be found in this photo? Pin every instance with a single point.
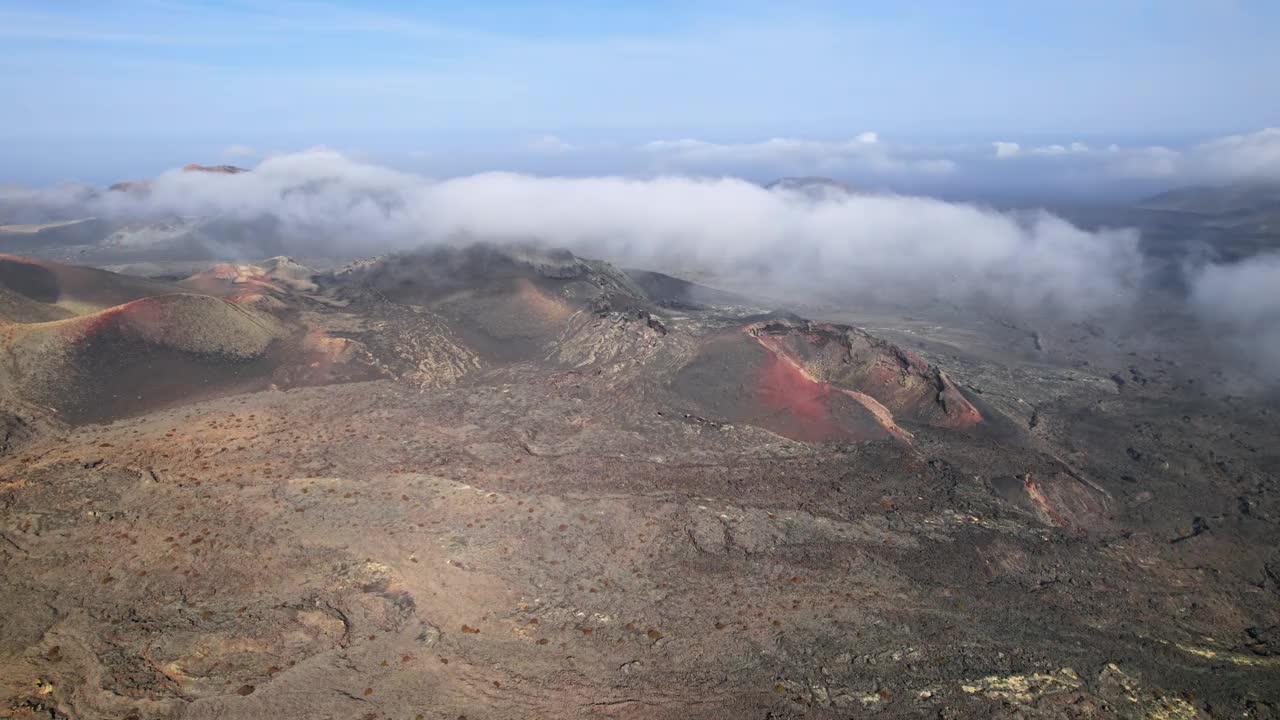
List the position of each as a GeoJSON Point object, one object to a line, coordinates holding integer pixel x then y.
{"type": "Point", "coordinates": [915, 92]}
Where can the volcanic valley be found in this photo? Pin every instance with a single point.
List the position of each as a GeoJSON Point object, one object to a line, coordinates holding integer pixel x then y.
{"type": "Point", "coordinates": [503, 481]}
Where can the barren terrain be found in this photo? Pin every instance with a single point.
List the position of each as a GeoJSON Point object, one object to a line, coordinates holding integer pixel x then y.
{"type": "Point", "coordinates": [511, 483]}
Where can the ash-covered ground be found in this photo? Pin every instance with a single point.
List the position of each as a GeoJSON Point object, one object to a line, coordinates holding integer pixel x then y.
{"type": "Point", "coordinates": [501, 482]}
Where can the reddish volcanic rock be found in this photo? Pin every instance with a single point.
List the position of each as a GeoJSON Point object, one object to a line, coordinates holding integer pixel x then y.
{"type": "Point", "coordinates": [849, 358]}
{"type": "Point", "coordinates": [821, 383]}
{"type": "Point", "coordinates": [263, 283]}
{"type": "Point", "coordinates": [144, 186]}
{"type": "Point", "coordinates": [808, 403]}
{"type": "Point", "coordinates": [784, 385]}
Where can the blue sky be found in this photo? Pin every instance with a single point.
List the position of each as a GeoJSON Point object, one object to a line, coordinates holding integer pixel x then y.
{"type": "Point", "coordinates": [166, 78]}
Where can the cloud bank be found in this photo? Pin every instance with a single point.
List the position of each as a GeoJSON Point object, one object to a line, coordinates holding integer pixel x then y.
{"type": "Point", "coordinates": [863, 155]}
{"type": "Point", "coordinates": [889, 246]}
{"type": "Point", "coordinates": [1232, 158]}
{"type": "Point", "coordinates": [787, 242]}
{"type": "Point", "coordinates": [998, 169]}
{"type": "Point", "coordinates": [1247, 157]}
{"type": "Point", "coordinates": [1240, 302]}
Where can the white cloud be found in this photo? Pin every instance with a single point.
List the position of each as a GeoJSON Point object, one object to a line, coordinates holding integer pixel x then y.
{"type": "Point", "coordinates": [1013, 149]}
{"type": "Point", "coordinates": [1145, 162]}
{"type": "Point", "coordinates": [1249, 156]}
{"type": "Point", "coordinates": [1006, 149]}
{"type": "Point", "coordinates": [1241, 307]}
{"type": "Point", "coordinates": [897, 247]}
{"type": "Point", "coordinates": [1110, 163]}
{"type": "Point", "coordinates": [239, 151]}
{"type": "Point", "coordinates": [865, 153]}
{"type": "Point", "coordinates": [549, 144]}
{"type": "Point", "coordinates": [676, 145]}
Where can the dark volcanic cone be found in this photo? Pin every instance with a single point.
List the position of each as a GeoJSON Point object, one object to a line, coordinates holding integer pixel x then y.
{"type": "Point", "coordinates": [432, 274]}
{"type": "Point", "coordinates": [91, 345]}
{"type": "Point", "coordinates": [39, 290]}
{"type": "Point", "coordinates": [504, 303]}
{"type": "Point", "coordinates": [140, 355]}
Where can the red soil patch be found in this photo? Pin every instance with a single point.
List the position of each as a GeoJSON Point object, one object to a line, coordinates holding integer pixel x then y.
{"type": "Point", "coordinates": [806, 403]}
{"type": "Point", "coordinates": [784, 387]}
{"type": "Point", "coordinates": [237, 283]}
{"type": "Point", "coordinates": [886, 380]}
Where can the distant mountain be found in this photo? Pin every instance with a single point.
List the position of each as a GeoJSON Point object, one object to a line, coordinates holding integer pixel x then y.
{"type": "Point", "coordinates": [1217, 200]}
{"type": "Point", "coordinates": [28, 237]}
{"type": "Point", "coordinates": [1223, 223]}
{"type": "Point", "coordinates": [814, 187]}
{"type": "Point", "coordinates": [57, 233]}
{"type": "Point", "coordinates": [144, 186]}
{"type": "Point", "coordinates": [1246, 216]}
{"type": "Point", "coordinates": [141, 186]}
{"type": "Point", "coordinates": [224, 169]}
{"type": "Point", "coordinates": [188, 237]}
